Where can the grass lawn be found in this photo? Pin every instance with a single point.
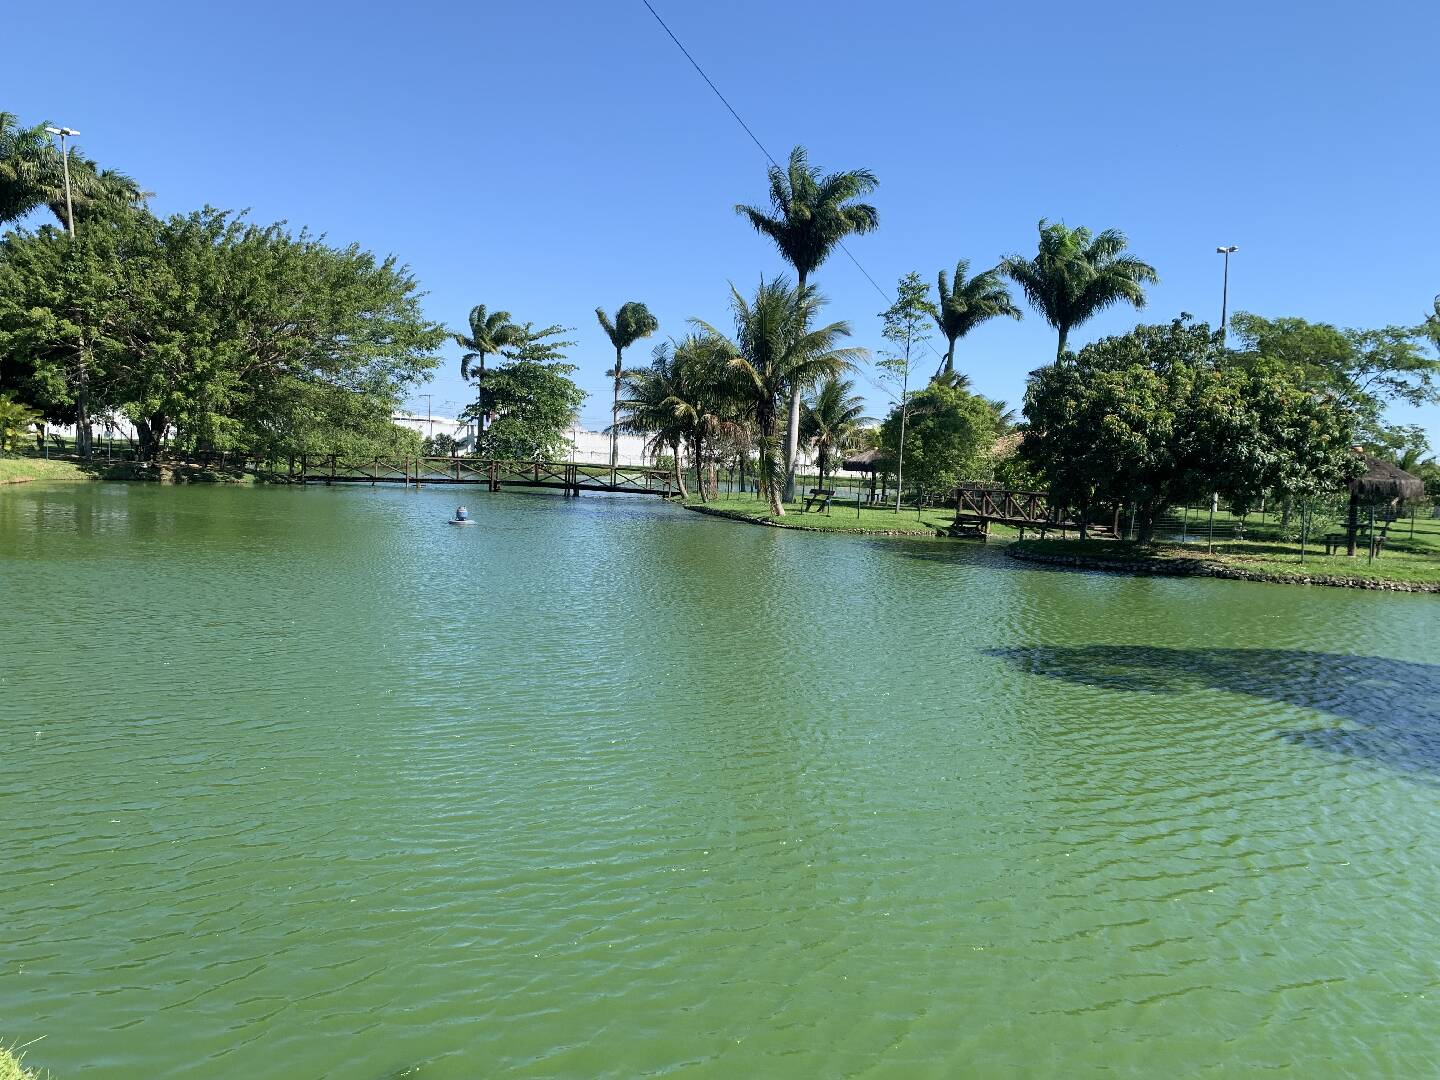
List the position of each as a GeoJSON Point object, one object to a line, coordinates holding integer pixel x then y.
{"type": "Point", "coordinates": [1413, 561]}
{"type": "Point", "coordinates": [17, 470]}
{"type": "Point", "coordinates": [842, 518]}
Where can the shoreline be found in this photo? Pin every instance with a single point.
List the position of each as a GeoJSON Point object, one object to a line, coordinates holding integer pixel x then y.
{"type": "Point", "coordinates": [1154, 567]}
{"type": "Point", "coordinates": [771, 523]}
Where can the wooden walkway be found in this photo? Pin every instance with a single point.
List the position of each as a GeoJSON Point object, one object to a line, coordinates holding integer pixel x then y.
{"type": "Point", "coordinates": [496, 475]}
{"type": "Point", "coordinates": [976, 508]}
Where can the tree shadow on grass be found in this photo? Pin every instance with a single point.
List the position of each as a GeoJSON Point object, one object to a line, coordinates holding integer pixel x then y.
{"type": "Point", "coordinates": [1392, 707]}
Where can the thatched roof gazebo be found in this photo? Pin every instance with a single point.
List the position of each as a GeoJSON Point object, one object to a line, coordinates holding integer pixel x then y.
{"type": "Point", "coordinates": [872, 462]}
{"type": "Point", "coordinates": [867, 461]}
{"type": "Point", "coordinates": [1381, 482]}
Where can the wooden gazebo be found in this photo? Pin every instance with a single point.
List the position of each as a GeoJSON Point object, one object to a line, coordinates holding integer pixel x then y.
{"type": "Point", "coordinates": [868, 461]}
{"type": "Point", "coordinates": [1381, 482]}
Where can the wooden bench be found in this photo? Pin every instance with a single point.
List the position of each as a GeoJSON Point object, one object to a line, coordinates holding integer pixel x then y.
{"type": "Point", "coordinates": [821, 496]}
{"type": "Point", "coordinates": [1335, 541]}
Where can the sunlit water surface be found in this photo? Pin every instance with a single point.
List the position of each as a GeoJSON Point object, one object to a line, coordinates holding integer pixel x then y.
{"type": "Point", "coordinates": [307, 783]}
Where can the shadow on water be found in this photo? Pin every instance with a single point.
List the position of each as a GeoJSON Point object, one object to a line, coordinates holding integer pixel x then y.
{"type": "Point", "coordinates": [1392, 705]}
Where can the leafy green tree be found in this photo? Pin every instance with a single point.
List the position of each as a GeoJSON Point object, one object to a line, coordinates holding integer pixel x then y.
{"type": "Point", "coordinates": [15, 420]}
{"type": "Point", "coordinates": [441, 445]}
{"type": "Point", "coordinates": [532, 396]}
{"type": "Point", "coordinates": [831, 418]}
{"type": "Point", "coordinates": [1366, 368]}
{"type": "Point", "coordinates": [490, 331]}
{"type": "Point", "coordinates": [775, 353]}
{"type": "Point", "coordinates": [968, 303]}
{"type": "Point", "coordinates": [1430, 328]}
{"type": "Point", "coordinates": [632, 322]}
{"type": "Point", "coordinates": [947, 439]}
{"type": "Point", "coordinates": [230, 334]}
{"type": "Point", "coordinates": [1075, 275]}
{"type": "Point", "coordinates": [1154, 418]}
{"type": "Point", "coordinates": [904, 322]}
{"type": "Point", "coordinates": [811, 213]}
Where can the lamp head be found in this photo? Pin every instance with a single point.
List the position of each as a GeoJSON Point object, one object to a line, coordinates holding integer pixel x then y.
{"type": "Point", "coordinates": [1227, 250]}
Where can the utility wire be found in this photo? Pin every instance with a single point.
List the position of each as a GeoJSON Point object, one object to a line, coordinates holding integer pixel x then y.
{"type": "Point", "coordinates": [756, 140]}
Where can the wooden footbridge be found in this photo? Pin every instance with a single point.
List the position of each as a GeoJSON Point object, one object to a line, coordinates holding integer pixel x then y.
{"type": "Point", "coordinates": [978, 507]}
{"type": "Point", "coordinates": [495, 474]}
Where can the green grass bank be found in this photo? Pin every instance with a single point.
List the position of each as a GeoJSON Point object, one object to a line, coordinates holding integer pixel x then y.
{"type": "Point", "coordinates": [1406, 565]}
{"type": "Point", "coordinates": [20, 470]}
{"type": "Point", "coordinates": [842, 517]}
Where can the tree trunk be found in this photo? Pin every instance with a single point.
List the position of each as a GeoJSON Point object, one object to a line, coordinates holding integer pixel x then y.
{"type": "Point", "coordinates": [1144, 524]}
{"type": "Point", "coordinates": [1060, 349]}
{"type": "Point", "coordinates": [699, 474]}
{"type": "Point", "coordinates": [792, 445]}
{"type": "Point", "coordinates": [615, 419]}
{"type": "Point", "coordinates": [792, 432]}
{"type": "Point", "coordinates": [679, 473]}
{"type": "Point", "coordinates": [151, 430]}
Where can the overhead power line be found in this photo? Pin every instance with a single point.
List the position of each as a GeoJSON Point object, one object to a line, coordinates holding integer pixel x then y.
{"type": "Point", "coordinates": [756, 140]}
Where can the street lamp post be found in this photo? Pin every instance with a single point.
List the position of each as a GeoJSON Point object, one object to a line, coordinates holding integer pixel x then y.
{"type": "Point", "coordinates": [1225, 288]}
{"type": "Point", "coordinates": [62, 134]}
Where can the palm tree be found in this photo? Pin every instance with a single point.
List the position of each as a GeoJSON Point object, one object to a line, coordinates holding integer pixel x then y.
{"type": "Point", "coordinates": [704, 397]}
{"type": "Point", "coordinates": [94, 189]}
{"type": "Point", "coordinates": [31, 175]}
{"type": "Point", "coordinates": [632, 322]}
{"type": "Point", "coordinates": [648, 407]}
{"type": "Point", "coordinates": [831, 418]}
{"type": "Point", "coordinates": [810, 215]}
{"type": "Point", "coordinates": [1075, 275]}
{"type": "Point", "coordinates": [29, 169]}
{"type": "Point", "coordinates": [967, 304]}
{"type": "Point", "coordinates": [774, 355]}
{"type": "Point", "coordinates": [489, 333]}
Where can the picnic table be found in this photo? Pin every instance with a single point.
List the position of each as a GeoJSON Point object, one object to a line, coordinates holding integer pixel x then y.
{"type": "Point", "coordinates": [821, 496]}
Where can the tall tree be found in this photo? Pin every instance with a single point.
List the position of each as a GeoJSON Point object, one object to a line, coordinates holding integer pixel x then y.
{"type": "Point", "coordinates": [904, 322]}
{"type": "Point", "coordinates": [831, 417]}
{"type": "Point", "coordinates": [632, 322]}
{"type": "Point", "coordinates": [948, 439]}
{"type": "Point", "coordinates": [1075, 275]}
{"type": "Point", "coordinates": [236, 335]}
{"type": "Point", "coordinates": [775, 353]}
{"type": "Point", "coordinates": [810, 214]}
{"type": "Point", "coordinates": [1154, 419]}
{"type": "Point", "coordinates": [490, 331]}
{"type": "Point", "coordinates": [1367, 368]}
{"type": "Point", "coordinates": [532, 396]}
{"type": "Point", "coordinates": [966, 304]}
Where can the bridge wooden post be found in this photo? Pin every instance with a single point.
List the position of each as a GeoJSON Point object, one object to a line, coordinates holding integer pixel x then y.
{"type": "Point", "coordinates": [494, 476]}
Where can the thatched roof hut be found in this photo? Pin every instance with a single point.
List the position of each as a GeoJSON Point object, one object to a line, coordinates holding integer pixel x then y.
{"type": "Point", "coordinates": [867, 461]}
{"type": "Point", "coordinates": [1383, 482]}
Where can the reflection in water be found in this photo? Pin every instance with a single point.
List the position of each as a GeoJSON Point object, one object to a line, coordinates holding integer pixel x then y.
{"type": "Point", "coordinates": [1394, 705]}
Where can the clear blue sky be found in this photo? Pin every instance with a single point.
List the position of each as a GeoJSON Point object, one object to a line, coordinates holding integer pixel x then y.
{"type": "Point", "coordinates": [549, 157]}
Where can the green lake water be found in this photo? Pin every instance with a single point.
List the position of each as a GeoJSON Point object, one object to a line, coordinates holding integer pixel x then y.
{"type": "Point", "coordinates": [306, 783]}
